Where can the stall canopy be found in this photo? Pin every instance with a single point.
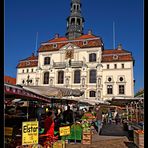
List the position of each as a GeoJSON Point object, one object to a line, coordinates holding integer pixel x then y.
{"type": "Point", "coordinates": [16, 92]}
{"type": "Point", "coordinates": [93, 102]}
{"type": "Point", "coordinates": [122, 101]}
{"type": "Point", "coordinates": [53, 91]}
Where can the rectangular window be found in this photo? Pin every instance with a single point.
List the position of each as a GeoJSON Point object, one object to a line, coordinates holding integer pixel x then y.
{"type": "Point", "coordinates": [77, 76]}
{"type": "Point", "coordinates": [27, 70]}
{"type": "Point", "coordinates": [31, 70]}
{"type": "Point", "coordinates": [92, 76]}
{"type": "Point", "coordinates": [121, 89]}
{"type": "Point", "coordinates": [107, 66]}
{"type": "Point", "coordinates": [92, 57]}
{"type": "Point", "coordinates": [60, 77]}
{"type": "Point", "coordinates": [115, 66]}
{"type": "Point", "coordinates": [92, 94]}
{"type": "Point", "coordinates": [122, 65]}
{"type": "Point", "coordinates": [109, 89]}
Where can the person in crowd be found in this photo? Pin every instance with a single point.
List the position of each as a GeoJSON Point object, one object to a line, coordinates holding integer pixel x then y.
{"type": "Point", "coordinates": [110, 117]}
{"type": "Point", "coordinates": [49, 124]}
{"type": "Point", "coordinates": [99, 118]}
{"type": "Point", "coordinates": [117, 118]}
{"type": "Point", "coordinates": [68, 115]}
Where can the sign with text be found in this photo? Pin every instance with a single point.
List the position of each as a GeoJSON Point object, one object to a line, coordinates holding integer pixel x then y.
{"type": "Point", "coordinates": [64, 130]}
{"type": "Point", "coordinates": [30, 132]}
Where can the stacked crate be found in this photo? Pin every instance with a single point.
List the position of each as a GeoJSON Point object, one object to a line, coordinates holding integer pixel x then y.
{"type": "Point", "coordinates": [139, 139]}
{"type": "Point", "coordinates": [87, 136]}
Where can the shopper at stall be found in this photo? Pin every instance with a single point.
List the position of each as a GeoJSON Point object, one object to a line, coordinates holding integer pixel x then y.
{"type": "Point", "coordinates": [68, 115]}
{"type": "Point", "coordinates": [49, 124]}
{"type": "Point", "coordinates": [99, 118]}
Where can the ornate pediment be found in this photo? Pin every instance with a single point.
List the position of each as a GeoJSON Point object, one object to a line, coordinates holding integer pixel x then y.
{"type": "Point", "coordinates": [69, 46]}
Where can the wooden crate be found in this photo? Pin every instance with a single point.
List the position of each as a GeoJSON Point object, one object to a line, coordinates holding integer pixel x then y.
{"type": "Point", "coordinates": [139, 139]}
{"type": "Point", "coordinates": [87, 137]}
{"type": "Point", "coordinates": [59, 144]}
{"type": "Point", "coordinates": [86, 141]}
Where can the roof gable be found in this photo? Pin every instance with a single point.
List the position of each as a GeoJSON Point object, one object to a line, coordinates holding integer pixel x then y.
{"type": "Point", "coordinates": [69, 46]}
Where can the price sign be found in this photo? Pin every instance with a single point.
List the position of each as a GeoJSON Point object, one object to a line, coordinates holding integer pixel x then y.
{"type": "Point", "coordinates": [30, 133]}
{"type": "Point", "coordinates": [64, 130]}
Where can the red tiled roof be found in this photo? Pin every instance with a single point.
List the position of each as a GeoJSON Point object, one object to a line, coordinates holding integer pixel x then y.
{"type": "Point", "coordinates": [77, 41]}
{"type": "Point", "coordinates": [58, 39]}
{"type": "Point", "coordinates": [122, 55]}
{"type": "Point", "coordinates": [10, 80]}
{"type": "Point", "coordinates": [85, 36]}
{"type": "Point", "coordinates": [114, 51]}
{"type": "Point", "coordinates": [31, 61]}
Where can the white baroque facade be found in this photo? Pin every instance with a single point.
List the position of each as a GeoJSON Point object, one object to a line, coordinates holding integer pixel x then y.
{"type": "Point", "coordinates": [80, 61]}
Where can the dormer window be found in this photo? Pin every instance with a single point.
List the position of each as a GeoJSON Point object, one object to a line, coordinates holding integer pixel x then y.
{"type": "Point", "coordinates": [55, 45]}
{"type": "Point", "coordinates": [84, 42]}
{"type": "Point", "coordinates": [115, 57]}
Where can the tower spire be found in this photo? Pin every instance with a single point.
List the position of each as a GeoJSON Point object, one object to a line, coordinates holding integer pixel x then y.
{"type": "Point", "coordinates": [75, 21]}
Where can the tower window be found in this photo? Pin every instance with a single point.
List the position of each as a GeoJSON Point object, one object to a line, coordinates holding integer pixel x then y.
{"type": "Point", "coordinates": [77, 76]}
{"type": "Point", "coordinates": [60, 77]}
{"type": "Point", "coordinates": [92, 76]}
{"type": "Point", "coordinates": [92, 57]}
{"type": "Point", "coordinates": [109, 89]}
{"type": "Point", "coordinates": [92, 94]}
{"type": "Point", "coordinates": [121, 89]}
{"type": "Point", "coordinates": [78, 21]}
{"type": "Point", "coordinates": [73, 21]}
{"type": "Point", "coordinates": [46, 78]}
{"type": "Point", "coordinates": [46, 60]}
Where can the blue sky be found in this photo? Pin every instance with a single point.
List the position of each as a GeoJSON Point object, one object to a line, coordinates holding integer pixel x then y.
{"type": "Point", "coordinates": [24, 18]}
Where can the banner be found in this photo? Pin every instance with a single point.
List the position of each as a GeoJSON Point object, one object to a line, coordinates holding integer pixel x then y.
{"type": "Point", "coordinates": [30, 132]}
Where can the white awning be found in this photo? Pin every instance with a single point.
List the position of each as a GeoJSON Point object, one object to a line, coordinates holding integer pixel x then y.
{"type": "Point", "coordinates": [53, 91]}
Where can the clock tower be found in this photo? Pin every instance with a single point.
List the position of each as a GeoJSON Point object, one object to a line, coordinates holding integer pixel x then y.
{"type": "Point", "coordinates": [75, 21]}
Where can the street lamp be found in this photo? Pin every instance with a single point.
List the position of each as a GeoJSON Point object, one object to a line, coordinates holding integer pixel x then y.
{"type": "Point", "coordinates": [28, 81]}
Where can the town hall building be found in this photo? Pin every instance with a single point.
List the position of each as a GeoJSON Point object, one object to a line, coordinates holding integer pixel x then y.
{"type": "Point", "coordinates": [79, 60]}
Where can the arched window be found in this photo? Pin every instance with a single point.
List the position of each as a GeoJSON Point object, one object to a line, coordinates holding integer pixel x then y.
{"type": "Point", "coordinates": [92, 57]}
{"type": "Point", "coordinates": [77, 76]}
{"type": "Point", "coordinates": [60, 77]}
{"type": "Point", "coordinates": [74, 7]}
{"type": "Point", "coordinates": [92, 94]}
{"type": "Point", "coordinates": [46, 60]}
{"type": "Point", "coordinates": [73, 21]}
{"type": "Point", "coordinates": [78, 21]}
{"type": "Point", "coordinates": [92, 76]}
{"type": "Point", "coordinates": [46, 78]}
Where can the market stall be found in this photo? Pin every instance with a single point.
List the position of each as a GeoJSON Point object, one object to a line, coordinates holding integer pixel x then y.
{"type": "Point", "coordinates": [133, 116]}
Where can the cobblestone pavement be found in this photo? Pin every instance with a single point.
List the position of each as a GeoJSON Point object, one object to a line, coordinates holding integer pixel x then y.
{"type": "Point", "coordinates": [112, 136]}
